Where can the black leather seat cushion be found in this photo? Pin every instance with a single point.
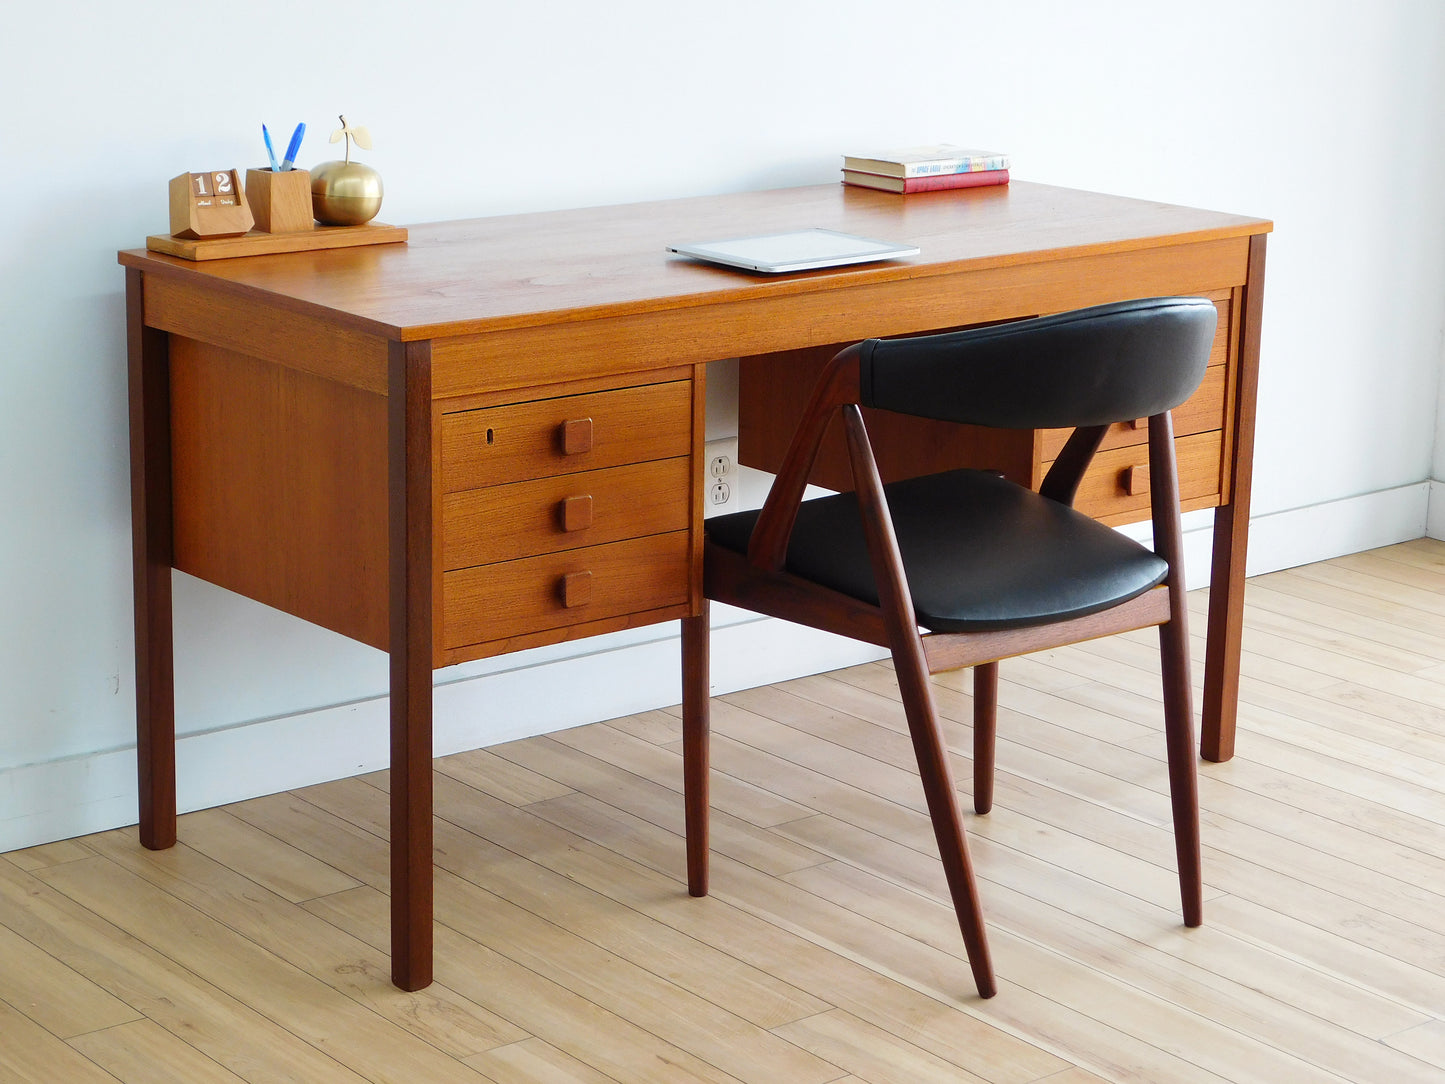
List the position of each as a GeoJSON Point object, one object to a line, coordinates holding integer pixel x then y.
{"type": "Point", "coordinates": [980, 552]}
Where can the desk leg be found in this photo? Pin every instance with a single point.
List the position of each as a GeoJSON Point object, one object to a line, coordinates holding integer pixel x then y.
{"type": "Point", "coordinates": [151, 553]}
{"type": "Point", "coordinates": [410, 516]}
{"type": "Point", "coordinates": [1231, 535]}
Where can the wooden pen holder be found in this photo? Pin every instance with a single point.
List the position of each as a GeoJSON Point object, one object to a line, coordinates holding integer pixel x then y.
{"type": "Point", "coordinates": [280, 202]}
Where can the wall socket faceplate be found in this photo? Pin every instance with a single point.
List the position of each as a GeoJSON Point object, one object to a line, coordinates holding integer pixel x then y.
{"type": "Point", "coordinates": [720, 477]}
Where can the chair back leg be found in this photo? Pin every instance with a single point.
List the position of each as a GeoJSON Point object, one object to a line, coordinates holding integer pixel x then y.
{"type": "Point", "coordinates": [1174, 666]}
{"type": "Point", "coordinates": [696, 705]}
{"type": "Point", "coordinates": [985, 733]}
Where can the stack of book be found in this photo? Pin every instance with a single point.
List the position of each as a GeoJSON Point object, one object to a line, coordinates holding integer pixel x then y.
{"type": "Point", "coordinates": [927, 169]}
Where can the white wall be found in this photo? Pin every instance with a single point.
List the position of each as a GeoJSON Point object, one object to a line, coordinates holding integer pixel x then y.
{"type": "Point", "coordinates": [1326, 117]}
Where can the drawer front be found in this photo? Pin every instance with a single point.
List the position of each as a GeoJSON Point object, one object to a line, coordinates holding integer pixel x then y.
{"type": "Point", "coordinates": [1116, 486]}
{"type": "Point", "coordinates": [521, 441]}
{"type": "Point", "coordinates": [513, 598]}
{"type": "Point", "coordinates": [568, 511]}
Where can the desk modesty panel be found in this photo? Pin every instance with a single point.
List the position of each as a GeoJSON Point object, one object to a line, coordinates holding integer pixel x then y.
{"type": "Point", "coordinates": [490, 437]}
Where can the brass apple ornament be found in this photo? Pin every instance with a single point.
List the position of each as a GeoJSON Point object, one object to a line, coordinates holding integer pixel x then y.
{"type": "Point", "coordinates": [346, 193]}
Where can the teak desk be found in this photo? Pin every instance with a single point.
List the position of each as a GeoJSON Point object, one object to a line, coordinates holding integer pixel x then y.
{"type": "Point", "coordinates": [490, 438]}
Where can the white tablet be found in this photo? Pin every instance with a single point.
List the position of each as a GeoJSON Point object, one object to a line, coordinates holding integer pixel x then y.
{"type": "Point", "coordinates": [800, 250]}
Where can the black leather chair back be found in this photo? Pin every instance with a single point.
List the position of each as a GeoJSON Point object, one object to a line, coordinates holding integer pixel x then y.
{"type": "Point", "coordinates": [1092, 366]}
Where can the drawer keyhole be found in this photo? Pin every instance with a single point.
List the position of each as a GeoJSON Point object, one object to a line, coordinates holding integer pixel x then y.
{"type": "Point", "coordinates": [491, 435]}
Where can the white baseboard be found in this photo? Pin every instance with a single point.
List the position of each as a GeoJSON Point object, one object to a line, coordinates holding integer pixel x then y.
{"type": "Point", "coordinates": [78, 795]}
{"type": "Point", "coordinates": [539, 692]}
{"type": "Point", "coordinates": [1435, 517]}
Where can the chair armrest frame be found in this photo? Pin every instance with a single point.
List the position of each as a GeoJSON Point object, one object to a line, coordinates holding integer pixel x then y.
{"type": "Point", "coordinates": [837, 386]}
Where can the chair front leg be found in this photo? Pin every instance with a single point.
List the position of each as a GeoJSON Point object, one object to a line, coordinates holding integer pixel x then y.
{"type": "Point", "coordinates": [696, 704]}
{"type": "Point", "coordinates": [911, 668]}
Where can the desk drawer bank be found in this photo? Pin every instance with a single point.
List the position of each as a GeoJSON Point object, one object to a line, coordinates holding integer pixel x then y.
{"type": "Point", "coordinates": [490, 438]}
{"type": "Point", "coordinates": [1116, 487]}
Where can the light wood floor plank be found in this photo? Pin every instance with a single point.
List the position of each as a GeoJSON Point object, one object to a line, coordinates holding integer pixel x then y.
{"type": "Point", "coordinates": [235, 1035]}
{"type": "Point", "coordinates": [49, 854]}
{"type": "Point", "coordinates": [532, 1061]}
{"type": "Point", "coordinates": [57, 997]}
{"type": "Point", "coordinates": [501, 778]}
{"type": "Point", "coordinates": [231, 896]}
{"type": "Point", "coordinates": [613, 1045]}
{"type": "Point", "coordinates": [31, 1055]}
{"type": "Point", "coordinates": [143, 1052]}
{"type": "Point", "coordinates": [1425, 1041]}
{"type": "Point", "coordinates": [870, 1052]}
{"type": "Point", "coordinates": [748, 992]}
{"type": "Point", "coordinates": [305, 1006]}
{"type": "Point", "coordinates": [568, 949]}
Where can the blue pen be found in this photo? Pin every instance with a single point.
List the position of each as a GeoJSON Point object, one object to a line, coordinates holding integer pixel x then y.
{"type": "Point", "coordinates": [295, 145]}
{"type": "Point", "coordinates": [270, 151]}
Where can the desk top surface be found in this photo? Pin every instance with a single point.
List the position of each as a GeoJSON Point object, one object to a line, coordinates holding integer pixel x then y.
{"type": "Point", "coordinates": [485, 274]}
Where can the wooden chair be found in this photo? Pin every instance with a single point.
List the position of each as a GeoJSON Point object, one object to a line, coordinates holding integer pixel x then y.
{"type": "Point", "coordinates": [987, 568]}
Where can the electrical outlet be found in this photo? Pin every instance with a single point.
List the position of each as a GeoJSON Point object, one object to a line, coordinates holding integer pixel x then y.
{"type": "Point", "coordinates": [720, 477]}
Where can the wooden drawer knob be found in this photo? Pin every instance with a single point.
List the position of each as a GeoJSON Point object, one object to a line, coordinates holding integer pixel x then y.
{"type": "Point", "coordinates": [1140, 423]}
{"type": "Point", "coordinates": [1136, 480]}
{"type": "Point", "coordinates": [575, 589]}
{"type": "Point", "coordinates": [576, 513]}
{"type": "Point", "coordinates": [576, 436]}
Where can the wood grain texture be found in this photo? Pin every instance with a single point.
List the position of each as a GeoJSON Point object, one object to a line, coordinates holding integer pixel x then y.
{"type": "Point", "coordinates": [569, 948]}
{"type": "Point", "coordinates": [264, 329]}
{"type": "Point", "coordinates": [257, 445]}
{"type": "Point", "coordinates": [567, 511]}
{"type": "Point", "coordinates": [264, 241]}
{"type": "Point", "coordinates": [409, 519]}
{"type": "Point", "coordinates": [527, 439]}
{"type": "Point", "coordinates": [468, 313]}
{"type": "Point", "coordinates": [1231, 529]}
{"type": "Point", "coordinates": [500, 601]}
{"type": "Point", "coordinates": [152, 555]}
{"type": "Point", "coordinates": [547, 268]}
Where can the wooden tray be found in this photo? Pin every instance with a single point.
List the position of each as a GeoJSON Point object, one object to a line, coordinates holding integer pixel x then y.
{"type": "Point", "coordinates": [257, 243]}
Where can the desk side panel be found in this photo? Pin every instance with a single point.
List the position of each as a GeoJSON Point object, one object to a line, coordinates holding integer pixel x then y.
{"type": "Point", "coordinates": [309, 343]}
{"type": "Point", "coordinates": [280, 487]}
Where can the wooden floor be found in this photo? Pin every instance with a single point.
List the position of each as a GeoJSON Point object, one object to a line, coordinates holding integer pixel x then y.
{"type": "Point", "coordinates": [568, 949]}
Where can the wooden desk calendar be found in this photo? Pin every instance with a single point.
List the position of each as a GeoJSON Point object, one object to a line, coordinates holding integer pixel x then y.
{"type": "Point", "coordinates": [209, 204]}
{"type": "Point", "coordinates": [389, 441]}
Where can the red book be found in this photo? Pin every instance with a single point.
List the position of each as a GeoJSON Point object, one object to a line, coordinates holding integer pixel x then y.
{"type": "Point", "coordinates": [976, 179]}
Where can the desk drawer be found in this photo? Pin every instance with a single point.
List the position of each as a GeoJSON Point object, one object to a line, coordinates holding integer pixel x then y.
{"type": "Point", "coordinates": [1116, 486]}
{"type": "Point", "coordinates": [571, 433]}
{"type": "Point", "coordinates": [568, 511]}
{"type": "Point", "coordinates": [514, 598]}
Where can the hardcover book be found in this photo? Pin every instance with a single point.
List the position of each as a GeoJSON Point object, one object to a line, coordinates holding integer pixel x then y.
{"type": "Point", "coordinates": [927, 161]}
{"type": "Point", "coordinates": [938, 181]}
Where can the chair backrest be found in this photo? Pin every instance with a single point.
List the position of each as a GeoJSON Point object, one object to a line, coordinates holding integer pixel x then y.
{"type": "Point", "coordinates": [1131, 359]}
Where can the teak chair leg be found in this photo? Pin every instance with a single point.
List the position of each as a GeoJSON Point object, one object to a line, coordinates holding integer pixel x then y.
{"type": "Point", "coordinates": [1183, 784]}
{"type": "Point", "coordinates": [696, 702]}
{"type": "Point", "coordinates": [985, 733]}
{"type": "Point", "coordinates": [943, 811]}
{"type": "Point", "coordinates": [911, 669]}
{"type": "Point", "coordinates": [1174, 665]}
